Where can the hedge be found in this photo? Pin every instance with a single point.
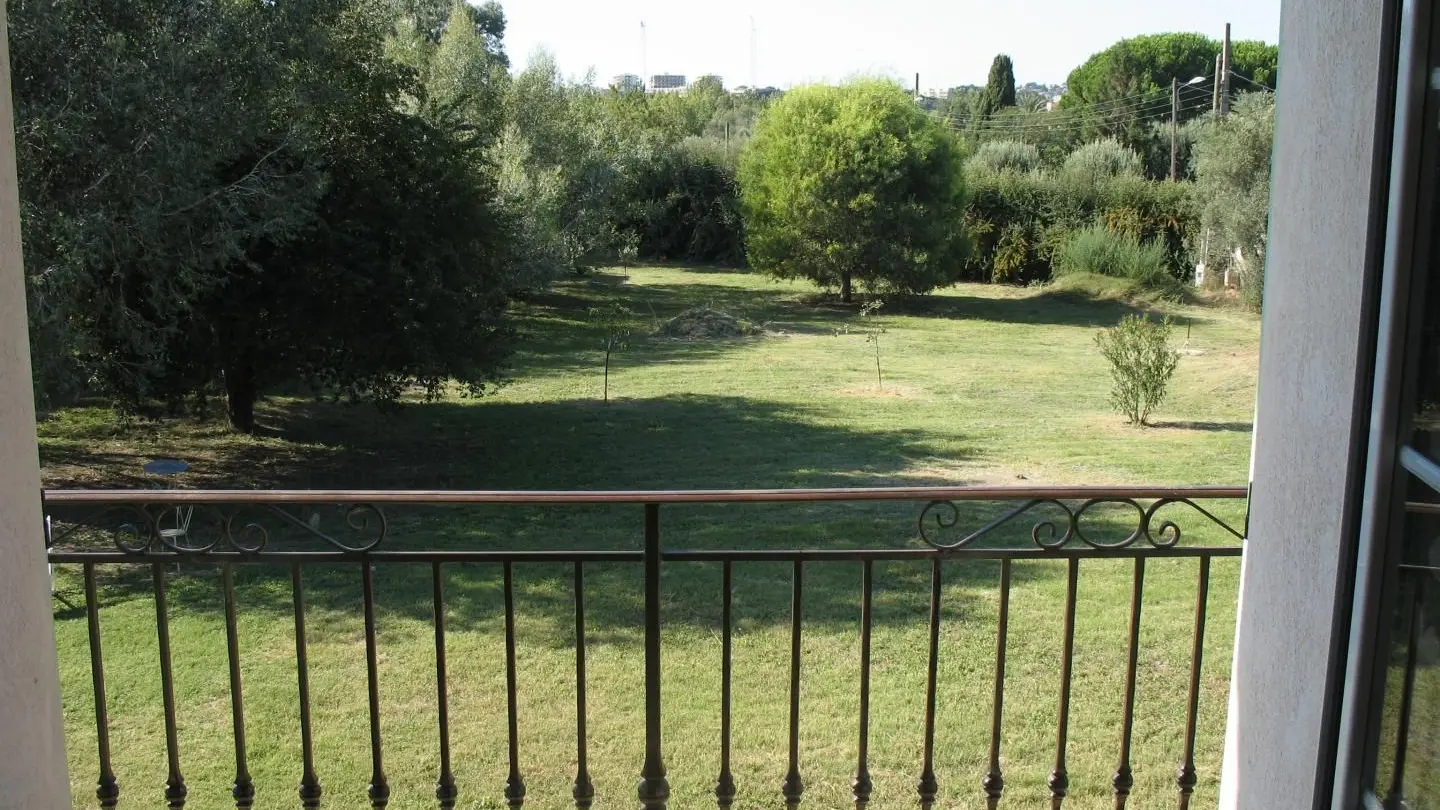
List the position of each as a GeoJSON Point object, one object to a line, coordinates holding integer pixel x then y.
{"type": "Point", "coordinates": [1019, 223]}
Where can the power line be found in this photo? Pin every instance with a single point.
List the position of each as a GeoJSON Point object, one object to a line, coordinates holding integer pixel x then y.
{"type": "Point", "coordinates": [1063, 115]}
{"type": "Point", "coordinates": [1055, 119]}
{"type": "Point", "coordinates": [1155, 114]}
{"type": "Point", "coordinates": [1150, 96]}
{"type": "Point", "coordinates": [1058, 116]}
{"type": "Point", "coordinates": [1252, 81]}
{"type": "Point", "coordinates": [1143, 97]}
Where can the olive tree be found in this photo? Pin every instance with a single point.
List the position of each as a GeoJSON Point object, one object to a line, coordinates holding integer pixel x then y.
{"type": "Point", "coordinates": [854, 184]}
{"type": "Point", "coordinates": [1232, 187]}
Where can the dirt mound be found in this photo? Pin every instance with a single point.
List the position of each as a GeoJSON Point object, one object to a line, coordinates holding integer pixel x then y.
{"type": "Point", "coordinates": [704, 323]}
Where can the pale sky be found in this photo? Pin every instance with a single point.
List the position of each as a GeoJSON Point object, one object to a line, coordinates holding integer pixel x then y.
{"type": "Point", "coordinates": [950, 42]}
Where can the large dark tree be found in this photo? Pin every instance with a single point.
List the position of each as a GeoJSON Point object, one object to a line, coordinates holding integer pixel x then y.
{"type": "Point", "coordinates": [149, 161]}
{"type": "Point", "coordinates": [433, 19]}
{"type": "Point", "coordinates": [400, 282]}
{"type": "Point", "coordinates": [226, 196]}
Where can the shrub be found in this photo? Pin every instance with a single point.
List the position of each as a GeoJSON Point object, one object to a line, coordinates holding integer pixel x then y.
{"type": "Point", "coordinates": [683, 202]}
{"type": "Point", "coordinates": [1141, 365]}
{"type": "Point", "coordinates": [1005, 156]}
{"type": "Point", "coordinates": [854, 185]}
{"type": "Point", "coordinates": [1098, 161]}
{"type": "Point", "coordinates": [1232, 188]}
{"type": "Point", "coordinates": [1019, 224]}
{"type": "Point", "coordinates": [1099, 250]}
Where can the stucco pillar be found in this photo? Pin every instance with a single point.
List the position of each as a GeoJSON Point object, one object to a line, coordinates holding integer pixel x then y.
{"type": "Point", "coordinates": [1312, 375]}
{"type": "Point", "coordinates": [32, 750]}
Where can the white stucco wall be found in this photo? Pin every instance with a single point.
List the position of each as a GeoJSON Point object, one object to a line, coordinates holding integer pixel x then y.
{"type": "Point", "coordinates": [1320, 195]}
{"type": "Point", "coordinates": [32, 752]}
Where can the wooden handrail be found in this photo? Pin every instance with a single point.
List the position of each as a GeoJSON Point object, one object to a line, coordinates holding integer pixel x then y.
{"type": "Point", "coordinates": [580, 497]}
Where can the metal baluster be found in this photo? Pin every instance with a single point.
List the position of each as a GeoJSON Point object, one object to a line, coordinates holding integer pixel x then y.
{"type": "Point", "coordinates": [1059, 778]}
{"type": "Point", "coordinates": [379, 791]}
{"type": "Point", "coordinates": [1124, 779]}
{"type": "Point", "coordinates": [994, 782]}
{"type": "Point", "coordinates": [584, 790]}
{"type": "Point", "coordinates": [1395, 799]}
{"type": "Point", "coordinates": [725, 785]}
{"type": "Point", "coordinates": [861, 787]}
{"type": "Point", "coordinates": [175, 789]}
{"type": "Point", "coordinates": [1185, 776]}
{"type": "Point", "coordinates": [445, 790]}
{"type": "Point", "coordinates": [514, 783]}
{"type": "Point", "coordinates": [654, 788]}
{"type": "Point", "coordinates": [107, 791]}
{"type": "Point", "coordinates": [243, 790]}
{"type": "Point", "coordinates": [794, 787]}
{"type": "Point", "coordinates": [927, 787]}
{"type": "Point", "coordinates": [310, 790]}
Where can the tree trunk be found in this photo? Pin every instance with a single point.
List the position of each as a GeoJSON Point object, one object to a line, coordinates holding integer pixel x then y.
{"type": "Point", "coordinates": [241, 391]}
{"type": "Point", "coordinates": [845, 287]}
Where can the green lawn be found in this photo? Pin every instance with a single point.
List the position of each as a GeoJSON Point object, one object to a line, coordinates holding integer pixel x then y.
{"type": "Point", "coordinates": [982, 385]}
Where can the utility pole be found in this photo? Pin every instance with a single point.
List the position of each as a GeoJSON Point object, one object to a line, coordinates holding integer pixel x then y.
{"type": "Point", "coordinates": [1174, 128]}
{"type": "Point", "coordinates": [644, 60]}
{"type": "Point", "coordinates": [917, 85]}
{"type": "Point", "coordinates": [1215, 90]}
{"type": "Point", "coordinates": [1225, 74]}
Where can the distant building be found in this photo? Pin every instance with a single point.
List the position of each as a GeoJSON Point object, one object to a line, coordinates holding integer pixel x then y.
{"type": "Point", "coordinates": [626, 81]}
{"type": "Point", "coordinates": [667, 83]}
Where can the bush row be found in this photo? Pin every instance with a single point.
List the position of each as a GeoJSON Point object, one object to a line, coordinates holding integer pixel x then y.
{"type": "Point", "coordinates": [1020, 224]}
{"type": "Point", "coordinates": [684, 206]}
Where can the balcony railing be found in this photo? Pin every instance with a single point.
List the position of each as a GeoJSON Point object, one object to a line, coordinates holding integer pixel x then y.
{"type": "Point", "coordinates": [160, 530]}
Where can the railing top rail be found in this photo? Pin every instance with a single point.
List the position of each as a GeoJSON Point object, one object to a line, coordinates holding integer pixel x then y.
{"type": "Point", "coordinates": [594, 497]}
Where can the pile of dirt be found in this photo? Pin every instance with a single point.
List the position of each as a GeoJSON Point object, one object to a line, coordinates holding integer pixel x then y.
{"type": "Point", "coordinates": [704, 323]}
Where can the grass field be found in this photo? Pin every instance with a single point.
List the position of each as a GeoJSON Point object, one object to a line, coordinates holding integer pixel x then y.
{"type": "Point", "coordinates": [981, 385]}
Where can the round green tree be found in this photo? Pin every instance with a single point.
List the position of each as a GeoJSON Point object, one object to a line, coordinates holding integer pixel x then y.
{"type": "Point", "coordinates": [854, 184]}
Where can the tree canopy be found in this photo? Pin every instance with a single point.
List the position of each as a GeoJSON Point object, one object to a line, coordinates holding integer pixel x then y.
{"type": "Point", "coordinates": [1232, 186]}
{"type": "Point", "coordinates": [260, 195]}
{"type": "Point", "coordinates": [854, 183]}
{"type": "Point", "coordinates": [1134, 75]}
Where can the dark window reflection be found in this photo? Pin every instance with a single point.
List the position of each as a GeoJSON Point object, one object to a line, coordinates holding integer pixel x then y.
{"type": "Point", "coordinates": [1408, 763]}
{"type": "Point", "coordinates": [1408, 773]}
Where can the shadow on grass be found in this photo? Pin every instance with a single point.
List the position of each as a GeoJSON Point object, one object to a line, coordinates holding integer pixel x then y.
{"type": "Point", "coordinates": [676, 442]}
{"type": "Point", "coordinates": [1211, 427]}
{"type": "Point", "coordinates": [556, 321]}
{"type": "Point", "coordinates": [557, 336]}
{"type": "Point", "coordinates": [679, 442]}
{"type": "Point", "coordinates": [1056, 308]}
{"type": "Point", "coordinates": [614, 592]}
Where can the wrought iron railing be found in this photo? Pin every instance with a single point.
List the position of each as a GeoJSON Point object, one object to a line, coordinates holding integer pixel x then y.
{"type": "Point", "coordinates": [161, 529]}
